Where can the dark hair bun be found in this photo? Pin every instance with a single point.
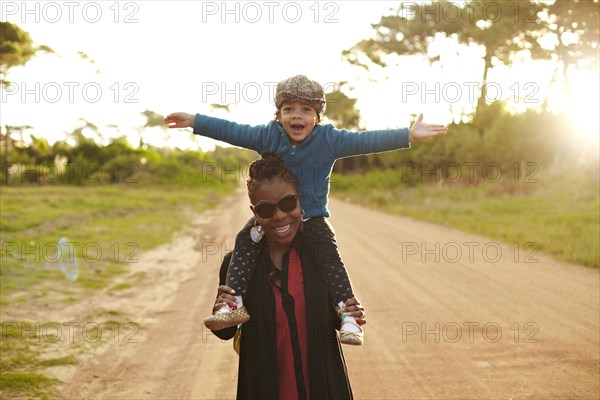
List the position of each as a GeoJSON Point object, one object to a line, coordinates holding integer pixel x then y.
{"type": "Point", "coordinates": [266, 166]}
{"type": "Point", "coordinates": [269, 168]}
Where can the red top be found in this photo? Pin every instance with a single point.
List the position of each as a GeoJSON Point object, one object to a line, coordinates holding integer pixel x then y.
{"type": "Point", "coordinates": [285, 355]}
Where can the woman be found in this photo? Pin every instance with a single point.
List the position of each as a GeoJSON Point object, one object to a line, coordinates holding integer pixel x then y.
{"type": "Point", "coordinates": [289, 349]}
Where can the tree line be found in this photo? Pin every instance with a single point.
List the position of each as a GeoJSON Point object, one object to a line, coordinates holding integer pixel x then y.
{"type": "Point", "coordinates": [564, 33]}
{"type": "Point", "coordinates": [85, 161]}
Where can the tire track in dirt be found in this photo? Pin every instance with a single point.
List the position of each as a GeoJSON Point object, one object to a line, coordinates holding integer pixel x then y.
{"type": "Point", "coordinates": [555, 356]}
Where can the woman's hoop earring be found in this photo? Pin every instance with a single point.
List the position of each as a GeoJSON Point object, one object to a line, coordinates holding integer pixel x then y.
{"type": "Point", "coordinates": [301, 227]}
{"type": "Point", "coordinates": [256, 232]}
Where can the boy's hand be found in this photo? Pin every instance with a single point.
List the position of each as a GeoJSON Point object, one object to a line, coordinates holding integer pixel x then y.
{"type": "Point", "coordinates": [180, 120]}
{"type": "Point", "coordinates": [420, 130]}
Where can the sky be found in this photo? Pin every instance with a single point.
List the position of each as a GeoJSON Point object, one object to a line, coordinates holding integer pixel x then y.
{"type": "Point", "coordinates": [114, 60]}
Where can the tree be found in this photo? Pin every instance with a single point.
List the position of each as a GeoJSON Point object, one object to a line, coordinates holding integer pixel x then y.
{"type": "Point", "coordinates": [500, 29]}
{"type": "Point", "coordinates": [16, 48]}
{"type": "Point", "coordinates": [153, 119]}
{"type": "Point", "coordinates": [574, 30]}
{"type": "Point", "coordinates": [341, 109]}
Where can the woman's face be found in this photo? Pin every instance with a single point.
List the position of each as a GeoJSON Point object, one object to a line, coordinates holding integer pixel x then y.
{"type": "Point", "coordinates": [280, 226]}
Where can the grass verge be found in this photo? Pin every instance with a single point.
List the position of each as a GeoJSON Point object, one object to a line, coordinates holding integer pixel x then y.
{"type": "Point", "coordinates": [108, 228]}
{"type": "Point", "coordinates": [557, 212]}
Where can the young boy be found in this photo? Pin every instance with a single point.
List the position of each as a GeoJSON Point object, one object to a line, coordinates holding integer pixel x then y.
{"type": "Point", "coordinates": [309, 149]}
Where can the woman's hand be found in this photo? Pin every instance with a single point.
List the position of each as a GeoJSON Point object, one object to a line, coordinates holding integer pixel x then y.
{"type": "Point", "coordinates": [180, 120]}
{"type": "Point", "coordinates": [353, 308]}
{"type": "Point", "coordinates": [224, 297]}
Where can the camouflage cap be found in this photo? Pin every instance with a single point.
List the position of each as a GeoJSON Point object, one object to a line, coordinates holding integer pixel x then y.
{"type": "Point", "coordinates": [300, 89]}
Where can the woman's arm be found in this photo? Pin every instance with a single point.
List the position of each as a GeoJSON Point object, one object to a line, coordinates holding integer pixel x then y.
{"type": "Point", "coordinates": [224, 296]}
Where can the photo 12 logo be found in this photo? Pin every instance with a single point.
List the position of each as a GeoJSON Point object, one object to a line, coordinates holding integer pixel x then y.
{"type": "Point", "coordinates": [453, 332]}
{"type": "Point", "coordinates": [72, 173]}
{"type": "Point", "coordinates": [214, 249]}
{"type": "Point", "coordinates": [488, 12]}
{"type": "Point", "coordinates": [52, 252]}
{"type": "Point", "coordinates": [253, 12]}
{"type": "Point", "coordinates": [459, 92]}
{"type": "Point", "coordinates": [469, 252]}
{"type": "Point", "coordinates": [70, 332]}
{"type": "Point", "coordinates": [53, 12]}
{"type": "Point", "coordinates": [252, 92]}
{"type": "Point", "coordinates": [70, 92]}
{"type": "Point", "coordinates": [471, 172]}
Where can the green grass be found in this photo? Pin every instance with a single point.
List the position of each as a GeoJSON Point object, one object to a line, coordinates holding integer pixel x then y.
{"type": "Point", "coordinates": [26, 385]}
{"type": "Point", "coordinates": [109, 226]}
{"type": "Point", "coordinates": [121, 286]}
{"type": "Point", "coordinates": [21, 360]}
{"type": "Point", "coordinates": [559, 214]}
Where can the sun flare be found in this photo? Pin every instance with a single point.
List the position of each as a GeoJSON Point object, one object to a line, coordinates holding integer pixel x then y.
{"type": "Point", "coordinates": [585, 105]}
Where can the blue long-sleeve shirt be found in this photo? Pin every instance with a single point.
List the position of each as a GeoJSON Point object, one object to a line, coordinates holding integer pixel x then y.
{"type": "Point", "coordinates": [312, 160]}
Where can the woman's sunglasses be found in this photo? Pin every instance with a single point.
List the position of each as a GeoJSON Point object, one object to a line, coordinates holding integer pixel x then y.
{"type": "Point", "coordinates": [267, 210]}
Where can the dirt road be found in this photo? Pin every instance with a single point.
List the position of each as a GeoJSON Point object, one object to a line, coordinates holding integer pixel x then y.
{"type": "Point", "coordinates": [450, 316]}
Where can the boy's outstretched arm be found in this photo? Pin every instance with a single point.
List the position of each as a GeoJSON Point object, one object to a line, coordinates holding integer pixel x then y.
{"type": "Point", "coordinates": [180, 120]}
{"type": "Point", "coordinates": [420, 130]}
{"type": "Point", "coordinates": [249, 137]}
